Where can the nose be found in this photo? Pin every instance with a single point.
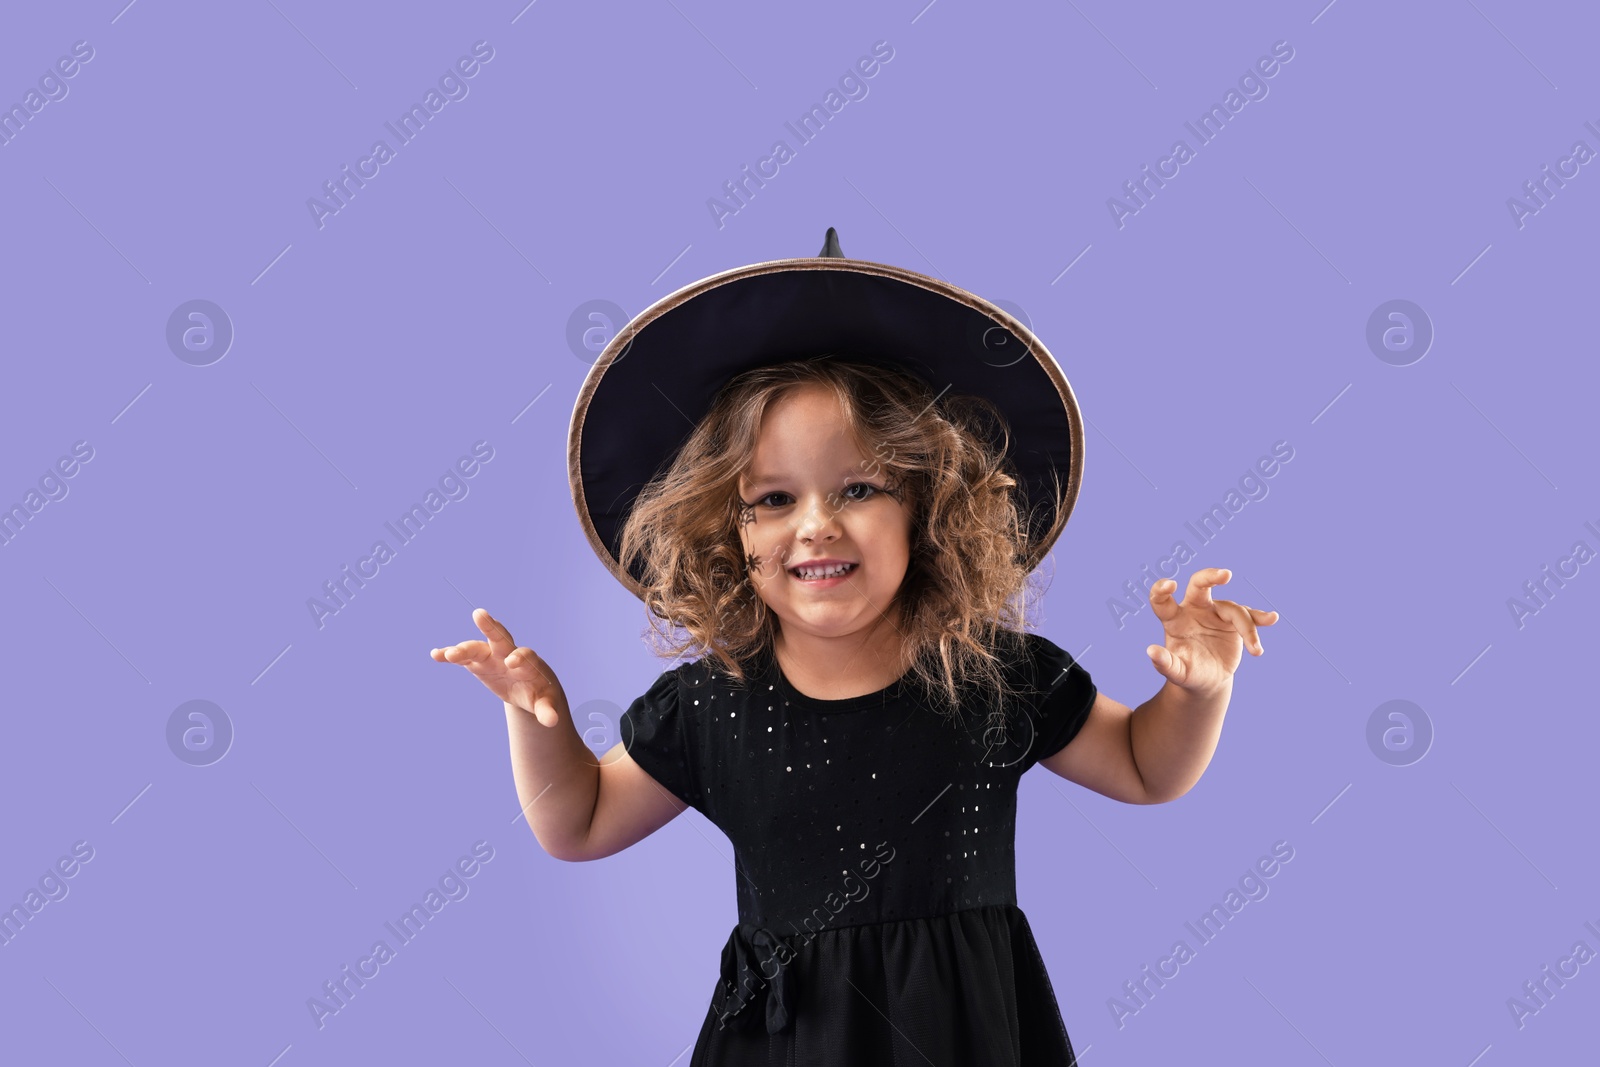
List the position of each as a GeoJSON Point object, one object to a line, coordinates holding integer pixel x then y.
{"type": "Point", "coordinates": [818, 523]}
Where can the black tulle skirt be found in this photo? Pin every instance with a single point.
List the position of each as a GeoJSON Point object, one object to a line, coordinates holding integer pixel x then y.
{"type": "Point", "coordinates": [967, 989]}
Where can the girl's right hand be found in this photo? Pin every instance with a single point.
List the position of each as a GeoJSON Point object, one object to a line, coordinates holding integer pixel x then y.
{"type": "Point", "coordinates": [516, 675]}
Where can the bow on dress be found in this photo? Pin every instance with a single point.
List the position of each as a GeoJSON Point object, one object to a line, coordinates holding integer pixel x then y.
{"type": "Point", "coordinates": [748, 949]}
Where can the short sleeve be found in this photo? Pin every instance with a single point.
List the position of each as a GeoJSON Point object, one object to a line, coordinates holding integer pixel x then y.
{"type": "Point", "coordinates": [1065, 695]}
{"type": "Point", "coordinates": [656, 734]}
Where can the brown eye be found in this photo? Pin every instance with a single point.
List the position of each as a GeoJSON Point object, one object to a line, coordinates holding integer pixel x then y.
{"type": "Point", "coordinates": [862, 485]}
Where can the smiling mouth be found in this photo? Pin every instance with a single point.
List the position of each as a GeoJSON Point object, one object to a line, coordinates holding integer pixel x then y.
{"type": "Point", "coordinates": [823, 574]}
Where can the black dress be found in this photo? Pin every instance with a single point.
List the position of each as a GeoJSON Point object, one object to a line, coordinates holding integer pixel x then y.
{"type": "Point", "coordinates": [873, 841]}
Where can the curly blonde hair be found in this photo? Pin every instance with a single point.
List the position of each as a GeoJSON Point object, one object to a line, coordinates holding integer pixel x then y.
{"type": "Point", "coordinates": [966, 595]}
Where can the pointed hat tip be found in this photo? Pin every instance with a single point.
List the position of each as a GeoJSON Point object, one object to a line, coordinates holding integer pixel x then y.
{"type": "Point", "coordinates": [830, 244]}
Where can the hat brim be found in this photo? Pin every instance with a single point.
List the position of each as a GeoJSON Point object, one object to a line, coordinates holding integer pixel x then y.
{"type": "Point", "coordinates": [657, 377]}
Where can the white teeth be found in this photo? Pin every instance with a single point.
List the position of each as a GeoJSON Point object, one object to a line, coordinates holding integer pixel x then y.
{"type": "Point", "coordinates": [811, 573]}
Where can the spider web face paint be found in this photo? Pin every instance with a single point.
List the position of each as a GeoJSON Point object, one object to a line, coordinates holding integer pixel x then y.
{"type": "Point", "coordinates": [745, 515]}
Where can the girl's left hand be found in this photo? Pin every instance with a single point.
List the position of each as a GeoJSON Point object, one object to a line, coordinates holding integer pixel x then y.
{"type": "Point", "coordinates": [1205, 637]}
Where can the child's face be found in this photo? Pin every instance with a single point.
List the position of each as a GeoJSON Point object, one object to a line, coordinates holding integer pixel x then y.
{"type": "Point", "coordinates": [810, 493]}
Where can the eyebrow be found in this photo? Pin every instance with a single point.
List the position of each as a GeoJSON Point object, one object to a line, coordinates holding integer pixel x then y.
{"type": "Point", "coordinates": [763, 479]}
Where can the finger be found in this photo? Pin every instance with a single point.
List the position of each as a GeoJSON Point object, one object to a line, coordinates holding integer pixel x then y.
{"type": "Point", "coordinates": [1260, 616]}
{"type": "Point", "coordinates": [1165, 663]}
{"type": "Point", "coordinates": [1161, 599]}
{"type": "Point", "coordinates": [1201, 581]}
{"type": "Point", "coordinates": [1239, 616]}
{"type": "Point", "coordinates": [467, 653]}
{"type": "Point", "coordinates": [544, 709]}
{"type": "Point", "coordinates": [521, 658]}
{"type": "Point", "coordinates": [500, 643]}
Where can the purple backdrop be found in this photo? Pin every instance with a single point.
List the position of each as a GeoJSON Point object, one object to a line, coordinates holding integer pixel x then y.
{"type": "Point", "coordinates": [224, 383]}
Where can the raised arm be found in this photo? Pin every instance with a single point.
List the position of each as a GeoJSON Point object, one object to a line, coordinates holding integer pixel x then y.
{"type": "Point", "coordinates": [1148, 755]}
{"type": "Point", "coordinates": [630, 807]}
{"type": "Point", "coordinates": [577, 807]}
{"type": "Point", "coordinates": [1159, 751]}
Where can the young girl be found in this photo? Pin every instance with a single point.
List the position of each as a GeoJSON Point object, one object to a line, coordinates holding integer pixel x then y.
{"type": "Point", "coordinates": [850, 550]}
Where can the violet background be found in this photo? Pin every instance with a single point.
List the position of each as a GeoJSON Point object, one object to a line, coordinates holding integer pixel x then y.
{"type": "Point", "coordinates": [431, 312]}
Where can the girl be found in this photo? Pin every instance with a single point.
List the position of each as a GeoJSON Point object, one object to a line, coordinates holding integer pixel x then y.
{"type": "Point", "coordinates": [851, 552]}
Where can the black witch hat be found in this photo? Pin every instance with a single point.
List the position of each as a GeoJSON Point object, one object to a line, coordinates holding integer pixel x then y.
{"type": "Point", "coordinates": [658, 376]}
